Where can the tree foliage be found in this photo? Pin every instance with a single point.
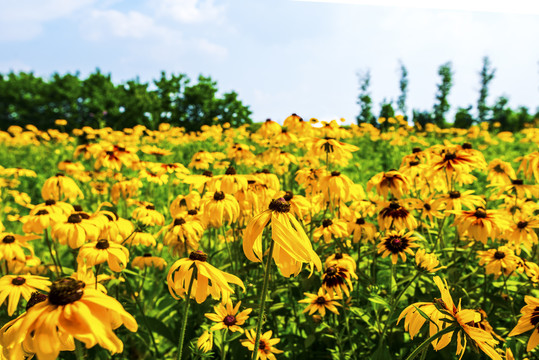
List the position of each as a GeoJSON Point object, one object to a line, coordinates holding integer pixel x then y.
{"type": "Point", "coordinates": [364, 99]}
{"type": "Point", "coordinates": [98, 102]}
{"type": "Point", "coordinates": [444, 87]}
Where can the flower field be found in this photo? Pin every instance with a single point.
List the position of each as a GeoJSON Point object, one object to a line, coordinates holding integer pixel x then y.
{"type": "Point", "coordinates": [300, 241]}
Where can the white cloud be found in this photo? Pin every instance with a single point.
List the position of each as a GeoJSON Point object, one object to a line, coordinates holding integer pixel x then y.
{"type": "Point", "coordinates": [211, 48]}
{"type": "Point", "coordinates": [102, 24]}
{"type": "Point", "coordinates": [190, 11]}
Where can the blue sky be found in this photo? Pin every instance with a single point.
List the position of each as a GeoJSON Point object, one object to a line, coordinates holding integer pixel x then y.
{"type": "Point", "coordinates": [284, 56]}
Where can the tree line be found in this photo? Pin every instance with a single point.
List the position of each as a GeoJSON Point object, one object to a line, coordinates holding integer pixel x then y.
{"type": "Point", "coordinates": [97, 102]}
{"type": "Point", "coordinates": [499, 113]}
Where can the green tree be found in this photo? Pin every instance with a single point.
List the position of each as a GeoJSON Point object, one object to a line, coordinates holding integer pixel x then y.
{"type": "Point", "coordinates": [421, 118]}
{"type": "Point", "coordinates": [444, 87]}
{"type": "Point", "coordinates": [403, 86]}
{"type": "Point", "coordinates": [364, 99]}
{"type": "Point", "coordinates": [487, 74]}
{"type": "Point", "coordinates": [463, 118]}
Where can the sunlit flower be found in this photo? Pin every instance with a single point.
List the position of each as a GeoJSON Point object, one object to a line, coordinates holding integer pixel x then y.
{"type": "Point", "coordinates": [397, 244]}
{"type": "Point", "coordinates": [455, 200]}
{"type": "Point", "coordinates": [205, 342]}
{"type": "Point", "coordinates": [480, 224]}
{"type": "Point", "coordinates": [147, 260]}
{"type": "Point", "coordinates": [13, 287]}
{"type": "Point", "coordinates": [320, 303]}
{"type": "Point", "coordinates": [12, 245]}
{"type": "Point", "coordinates": [208, 279]}
{"type": "Point", "coordinates": [522, 232]}
{"type": "Point", "coordinates": [498, 261]}
{"type": "Point", "coordinates": [266, 349]}
{"type": "Point", "coordinates": [147, 215]}
{"type": "Point", "coordinates": [391, 181]}
{"type": "Point", "coordinates": [529, 321]}
{"type": "Point", "coordinates": [227, 317]}
{"type": "Point", "coordinates": [101, 251]}
{"type": "Point", "coordinates": [336, 280]}
{"type": "Point", "coordinates": [427, 262]}
{"type": "Point", "coordinates": [60, 188]}
{"type": "Point", "coordinates": [394, 214]}
{"type": "Point", "coordinates": [330, 228]}
{"type": "Point", "coordinates": [500, 172]}
{"type": "Point", "coordinates": [361, 229]}
{"type": "Point", "coordinates": [75, 231]}
{"type": "Point", "coordinates": [339, 259]}
{"type": "Point", "coordinates": [219, 208]}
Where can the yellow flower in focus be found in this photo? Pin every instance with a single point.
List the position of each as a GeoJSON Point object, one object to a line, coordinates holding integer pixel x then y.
{"type": "Point", "coordinates": [528, 321]}
{"type": "Point", "coordinates": [344, 260]}
{"type": "Point", "coordinates": [499, 260]}
{"type": "Point", "coordinates": [208, 280]}
{"type": "Point", "coordinates": [320, 302]}
{"type": "Point", "coordinates": [71, 311]}
{"type": "Point", "coordinates": [330, 228]}
{"type": "Point", "coordinates": [427, 262]}
{"type": "Point", "coordinates": [101, 251]}
{"type": "Point", "coordinates": [292, 246]}
{"type": "Point", "coordinates": [205, 342]}
{"type": "Point", "coordinates": [75, 231]}
{"type": "Point", "coordinates": [13, 286]}
{"type": "Point", "coordinates": [266, 349]}
{"type": "Point", "coordinates": [12, 245]}
{"type": "Point", "coordinates": [227, 317]}
{"type": "Point", "coordinates": [394, 215]}
{"type": "Point", "coordinates": [147, 215]}
{"type": "Point", "coordinates": [61, 188]}
{"type": "Point", "coordinates": [336, 280]}
{"type": "Point", "coordinates": [480, 224]}
{"type": "Point", "coordinates": [397, 244]}
{"type": "Point", "coordinates": [392, 181]}
{"type": "Point", "coordinates": [219, 208]}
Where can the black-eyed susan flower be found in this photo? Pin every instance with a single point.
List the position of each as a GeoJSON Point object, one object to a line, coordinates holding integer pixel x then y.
{"type": "Point", "coordinates": [455, 200]}
{"type": "Point", "coordinates": [231, 182]}
{"type": "Point", "coordinates": [208, 279]}
{"type": "Point", "coordinates": [186, 233]}
{"type": "Point", "coordinates": [337, 187]}
{"type": "Point", "coordinates": [500, 172]}
{"type": "Point", "coordinates": [54, 207]}
{"type": "Point", "coordinates": [299, 205]}
{"type": "Point", "coordinates": [336, 280]}
{"type": "Point", "coordinates": [125, 189]}
{"type": "Point", "coordinates": [148, 260]}
{"type": "Point", "coordinates": [522, 232]}
{"type": "Point", "coordinates": [75, 231]}
{"type": "Point", "coordinates": [205, 341]}
{"type": "Point", "coordinates": [498, 261]}
{"type": "Point", "coordinates": [98, 252]}
{"type": "Point", "coordinates": [220, 208]}
{"type": "Point", "coordinates": [427, 262]}
{"type": "Point", "coordinates": [391, 181]}
{"type": "Point", "coordinates": [12, 246]}
{"type": "Point", "coordinates": [529, 165]}
{"type": "Point", "coordinates": [320, 303]}
{"type": "Point", "coordinates": [518, 188]}
{"type": "Point", "coordinates": [292, 246]}
{"type": "Point", "coordinates": [480, 224]}
{"type": "Point", "coordinates": [397, 243]}
{"type": "Point", "coordinates": [13, 287]}
{"type": "Point", "coordinates": [60, 188]}
{"type": "Point", "coordinates": [71, 311]}
{"type": "Point", "coordinates": [330, 228]}
{"type": "Point", "coordinates": [147, 215]}
{"type": "Point", "coordinates": [226, 316]}
{"type": "Point", "coordinates": [360, 229]}
{"type": "Point", "coordinates": [393, 214]}
{"type": "Point", "coordinates": [340, 259]}
{"type": "Point", "coordinates": [266, 349]}
{"type": "Point", "coordinates": [528, 321]}
{"type": "Point", "coordinates": [40, 221]}
{"type": "Point", "coordinates": [310, 179]}
{"type": "Point", "coordinates": [445, 315]}
{"type": "Point", "coordinates": [184, 203]}
{"type": "Point", "coordinates": [113, 227]}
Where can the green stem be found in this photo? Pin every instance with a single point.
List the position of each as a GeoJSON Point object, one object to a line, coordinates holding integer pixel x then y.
{"type": "Point", "coordinates": [79, 350]}
{"type": "Point", "coordinates": [48, 241]}
{"type": "Point", "coordinates": [509, 296]}
{"type": "Point", "coordinates": [224, 344]}
{"type": "Point", "coordinates": [185, 314]}
{"type": "Point", "coordinates": [263, 301]}
{"type": "Point", "coordinates": [427, 342]}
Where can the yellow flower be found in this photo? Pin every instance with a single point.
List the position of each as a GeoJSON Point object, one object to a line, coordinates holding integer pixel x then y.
{"type": "Point", "coordinates": [292, 246]}
{"type": "Point", "coordinates": [11, 246]}
{"type": "Point", "coordinates": [60, 187]}
{"type": "Point", "coordinates": [208, 279]}
{"type": "Point", "coordinates": [360, 229]}
{"type": "Point", "coordinates": [320, 302]}
{"type": "Point", "coordinates": [147, 215]}
{"type": "Point", "coordinates": [397, 244]}
{"type": "Point", "coordinates": [426, 262]}
{"type": "Point", "coordinates": [392, 181]}
{"type": "Point", "coordinates": [344, 260]}
{"type": "Point", "coordinates": [499, 260]}
{"type": "Point", "coordinates": [71, 311]}
{"type": "Point", "coordinates": [443, 313]}
{"type": "Point", "coordinates": [266, 349]}
{"type": "Point", "coordinates": [528, 321]}
{"type": "Point", "coordinates": [394, 214]}
{"type": "Point", "coordinates": [75, 231]}
{"type": "Point", "coordinates": [522, 232]}
{"type": "Point", "coordinates": [219, 208]}
{"type": "Point", "coordinates": [205, 342]}
{"type": "Point", "coordinates": [336, 280]}
{"type": "Point", "coordinates": [480, 224]}
{"type": "Point", "coordinates": [147, 260]}
{"type": "Point", "coordinates": [330, 228]}
{"type": "Point", "coordinates": [228, 317]}
{"type": "Point", "coordinates": [41, 221]}
{"type": "Point", "coordinates": [13, 286]}
{"type": "Point", "coordinates": [98, 252]}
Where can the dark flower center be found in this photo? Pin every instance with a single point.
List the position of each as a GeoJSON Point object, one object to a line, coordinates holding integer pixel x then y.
{"type": "Point", "coordinates": [522, 224]}
{"type": "Point", "coordinates": [338, 256]}
{"type": "Point", "coordinates": [42, 212]}
{"type": "Point", "coordinates": [50, 202]}
{"type": "Point", "coordinates": [8, 239]}
{"type": "Point", "coordinates": [102, 244]}
{"type": "Point", "coordinates": [229, 320]}
{"type": "Point", "coordinates": [454, 194]}
{"type": "Point", "coordinates": [394, 205]}
{"type": "Point", "coordinates": [150, 207]}
{"type": "Point", "coordinates": [219, 195]}
{"type": "Point", "coordinates": [262, 345]}
{"type": "Point", "coordinates": [327, 222]}
{"type": "Point", "coordinates": [192, 212]}
{"type": "Point", "coordinates": [230, 171]}
{"type": "Point", "coordinates": [480, 213]}
{"type": "Point", "coordinates": [265, 171]}
{"type": "Point", "coordinates": [35, 298]}
{"type": "Point", "coordinates": [498, 255]}
{"type": "Point", "coordinates": [198, 255]}
{"type": "Point", "coordinates": [450, 156]}
{"type": "Point", "coordinates": [331, 271]}
{"type": "Point", "coordinates": [535, 316]}
{"type": "Point", "coordinates": [147, 255]}
{"type": "Point", "coordinates": [77, 207]}
{"type": "Point", "coordinates": [360, 221]}
{"type": "Point", "coordinates": [18, 281]}
{"type": "Point", "coordinates": [288, 196]}
{"type": "Point", "coordinates": [207, 173]}
{"type": "Point", "coordinates": [396, 244]}
{"type": "Point", "coordinates": [498, 169]}
{"type": "Point", "coordinates": [179, 221]}
{"type": "Point", "coordinates": [66, 291]}
{"type": "Point", "coordinates": [279, 205]}
{"type": "Point", "coordinates": [414, 163]}
{"type": "Point", "coordinates": [59, 174]}
{"type": "Point", "coordinates": [467, 146]}
{"type": "Point", "coordinates": [335, 173]}
{"type": "Point", "coordinates": [320, 300]}
{"type": "Point", "coordinates": [517, 182]}
{"type": "Point", "coordinates": [416, 150]}
{"type": "Point", "coordinates": [74, 219]}
{"type": "Point", "coordinates": [427, 207]}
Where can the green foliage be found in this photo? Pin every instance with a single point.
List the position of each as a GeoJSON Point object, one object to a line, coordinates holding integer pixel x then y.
{"type": "Point", "coordinates": [364, 99]}
{"type": "Point", "coordinates": [403, 86]}
{"type": "Point", "coordinates": [487, 74]}
{"type": "Point", "coordinates": [97, 102]}
{"type": "Point", "coordinates": [463, 118]}
{"type": "Point", "coordinates": [444, 87]}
